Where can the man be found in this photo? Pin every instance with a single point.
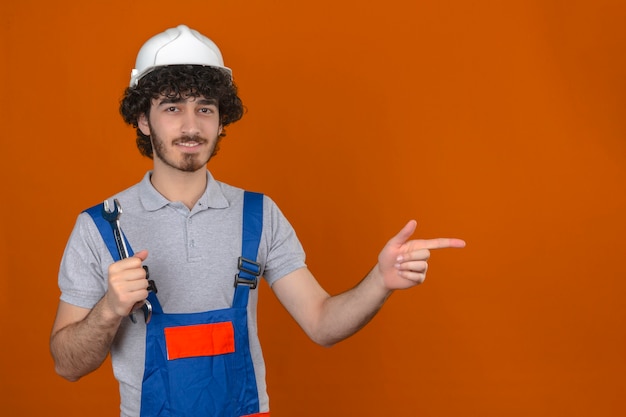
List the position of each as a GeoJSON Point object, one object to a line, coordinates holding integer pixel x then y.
{"type": "Point", "coordinates": [199, 353]}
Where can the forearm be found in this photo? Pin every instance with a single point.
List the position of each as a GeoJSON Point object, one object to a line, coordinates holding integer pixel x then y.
{"type": "Point", "coordinates": [344, 314]}
{"type": "Point", "coordinates": [80, 347]}
{"type": "Point", "coordinates": [327, 320]}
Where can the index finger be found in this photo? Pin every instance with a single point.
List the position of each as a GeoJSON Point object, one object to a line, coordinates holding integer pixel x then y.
{"type": "Point", "coordinates": [438, 243]}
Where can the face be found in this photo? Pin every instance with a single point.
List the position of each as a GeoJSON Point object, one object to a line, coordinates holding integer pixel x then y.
{"type": "Point", "coordinates": [184, 132]}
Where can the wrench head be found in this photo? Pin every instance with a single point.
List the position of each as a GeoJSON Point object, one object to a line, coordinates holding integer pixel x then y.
{"type": "Point", "coordinates": [147, 311]}
{"type": "Point", "coordinates": [111, 214]}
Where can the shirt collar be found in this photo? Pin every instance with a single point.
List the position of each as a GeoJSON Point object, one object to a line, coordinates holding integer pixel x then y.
{"type": "Point", "coordinates": [152, 200]}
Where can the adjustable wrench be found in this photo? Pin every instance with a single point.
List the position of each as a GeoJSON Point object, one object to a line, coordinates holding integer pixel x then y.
{"type": "Point", "coordinates": [113, 217]}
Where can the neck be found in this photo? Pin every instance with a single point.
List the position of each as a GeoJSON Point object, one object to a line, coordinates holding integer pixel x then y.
{"type": "Point", "coordinates": [175, 185]}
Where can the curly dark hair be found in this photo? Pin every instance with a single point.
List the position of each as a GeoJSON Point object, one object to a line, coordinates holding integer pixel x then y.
{"type": "Point", "coordinates": [180, 81]}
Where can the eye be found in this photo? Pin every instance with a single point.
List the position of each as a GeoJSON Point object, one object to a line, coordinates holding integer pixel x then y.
{"type": "Point", "coordinates": [170, 109]}
{"type": "Point", "coordinates": [206, 110]}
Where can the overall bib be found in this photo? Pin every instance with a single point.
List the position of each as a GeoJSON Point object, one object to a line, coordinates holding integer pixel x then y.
{"type": "Point", "coordinates": [199, 364]}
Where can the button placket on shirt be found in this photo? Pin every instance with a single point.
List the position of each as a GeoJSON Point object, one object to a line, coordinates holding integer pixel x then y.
{"type": "Point", "coordinates": [194, 251]}
{"type": "Point", "coordinates": [190, 231]}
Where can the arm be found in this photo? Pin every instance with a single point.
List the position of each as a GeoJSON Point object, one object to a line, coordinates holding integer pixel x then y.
{"type": "Point", "coordinates": [81, 338]}
{"type": "Point", "coordinates": [327, 320]}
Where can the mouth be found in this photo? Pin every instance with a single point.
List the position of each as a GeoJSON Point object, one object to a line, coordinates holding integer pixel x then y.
{"type": "Point", "coordinates": [189, 144]}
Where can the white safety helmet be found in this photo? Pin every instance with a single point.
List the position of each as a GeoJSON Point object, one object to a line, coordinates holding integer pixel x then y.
{"type": "Point", "coordinates": [177, 46]}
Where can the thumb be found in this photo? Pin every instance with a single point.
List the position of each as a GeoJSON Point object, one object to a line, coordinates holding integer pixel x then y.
{"type": "Point", "coordinates": [142, 254]}
{"type": "Point", "coordinates": [404, 234]}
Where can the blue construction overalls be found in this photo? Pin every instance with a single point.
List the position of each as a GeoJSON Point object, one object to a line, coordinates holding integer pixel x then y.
{"type": "Point", "coordinates": [199, 364]}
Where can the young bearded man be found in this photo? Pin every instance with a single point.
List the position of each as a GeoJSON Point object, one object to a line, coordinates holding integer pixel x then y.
{"type": "Point", "coordinates": [195, 352]}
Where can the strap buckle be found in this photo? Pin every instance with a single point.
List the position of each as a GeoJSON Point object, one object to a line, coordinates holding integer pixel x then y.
{"type": "Point", "coordinates": [247, 267]}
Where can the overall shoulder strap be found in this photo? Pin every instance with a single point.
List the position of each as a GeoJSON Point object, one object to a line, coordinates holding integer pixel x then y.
{"type": "Point", "coordinates": [249, 269]}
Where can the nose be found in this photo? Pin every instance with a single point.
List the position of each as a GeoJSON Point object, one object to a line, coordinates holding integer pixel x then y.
{"type": "Point", "coordinates": [190, 126]}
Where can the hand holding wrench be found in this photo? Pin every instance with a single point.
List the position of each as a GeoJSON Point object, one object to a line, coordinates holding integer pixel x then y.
{"type": "Point", "coordinates": [113, 217]}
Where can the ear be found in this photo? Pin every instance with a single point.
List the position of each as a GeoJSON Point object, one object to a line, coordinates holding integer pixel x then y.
{"type": "Point", "coordinates": [219, 131]}
{"type": "Point", "coordinates": [143, 125]}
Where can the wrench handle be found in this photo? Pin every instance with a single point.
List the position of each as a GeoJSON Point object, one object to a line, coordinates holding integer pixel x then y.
{"type": "Point", "coordinates": [119, 240]}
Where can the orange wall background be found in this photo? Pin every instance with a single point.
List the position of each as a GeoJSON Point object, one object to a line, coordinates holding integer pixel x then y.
{"type": "Point", "coordinates": [500, 122]}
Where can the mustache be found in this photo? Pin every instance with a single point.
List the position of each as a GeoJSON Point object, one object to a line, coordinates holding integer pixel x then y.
{"type": "Point", "coordinates": [187, 138]}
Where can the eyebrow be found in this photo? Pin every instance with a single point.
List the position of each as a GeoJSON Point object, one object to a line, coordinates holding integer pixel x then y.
{"type": "Point", "coordinates": [174, 100]}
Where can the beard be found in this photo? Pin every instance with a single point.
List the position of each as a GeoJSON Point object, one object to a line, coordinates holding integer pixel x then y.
{"type": "Point", "coordinates": [189, 162]}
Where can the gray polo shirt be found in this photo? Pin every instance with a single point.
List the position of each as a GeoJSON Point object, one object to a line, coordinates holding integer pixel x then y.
{"type": "Point", "coordinates": [192, 256]}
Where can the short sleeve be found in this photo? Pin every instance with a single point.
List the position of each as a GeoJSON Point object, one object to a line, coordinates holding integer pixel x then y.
{"type": "Point", "coordinates": [83, 271]}
{"type": "Point", "coordinates": [284, 250]}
